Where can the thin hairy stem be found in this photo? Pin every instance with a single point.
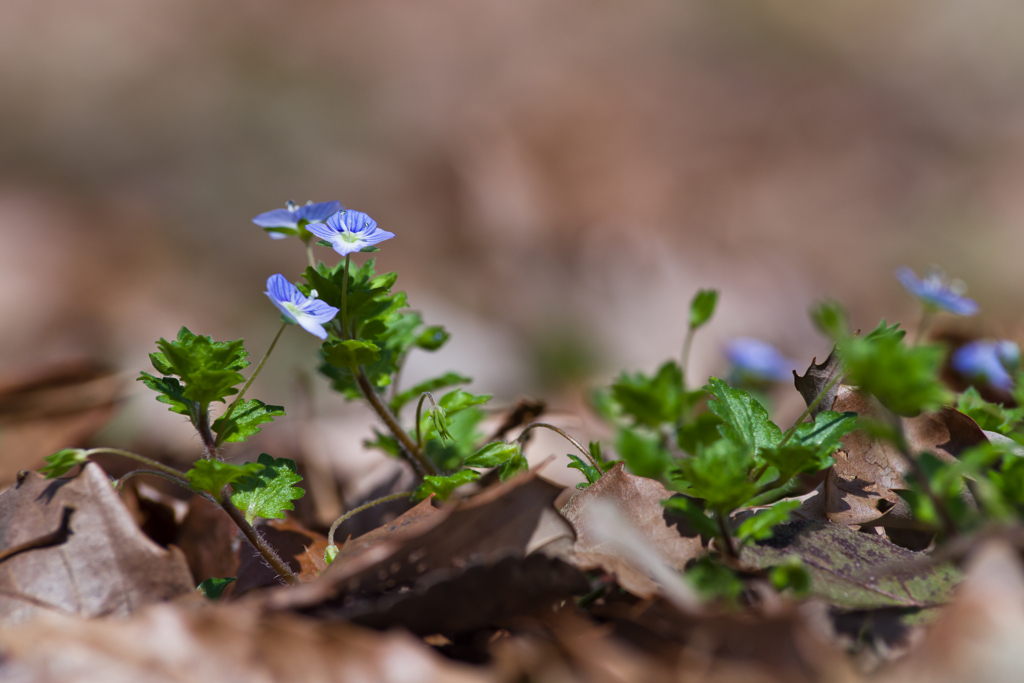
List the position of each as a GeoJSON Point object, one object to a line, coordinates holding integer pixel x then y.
{"type": "Point", "coordinates": [119, 483]}
{"type": "Point", "coordinates": [148, 462]}
{"type": "Point", "coordinates": [257, 541]}
{"type": "Point", "coordinates": [245, 387]}
{"type": "Point", "coordinates": [811, 406]}
{"type": "Point", "coordinates": [522, 437]}
{"type": "Point", "coordinates": [365, 506]}
{"type": "Point", "coordinates": [344, 299]}
{"type": "Point", "coordinates": [410, 450]}
{"type": "Point", "coordinates": [203, 427]}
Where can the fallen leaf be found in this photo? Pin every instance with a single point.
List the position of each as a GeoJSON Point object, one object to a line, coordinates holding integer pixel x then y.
{"type": "Point", "coordinates": [854, 570]}
{"type": "Point", "coordinates": [106, 566]}
{"type": "Point", "coordinates": [209, 540]}
{"type": "Point", "coordinates": [816, 379]}
{"type": "Point", "coordinates": [639, 501]}
{"type": "Point", "coordinates": [302, 550]}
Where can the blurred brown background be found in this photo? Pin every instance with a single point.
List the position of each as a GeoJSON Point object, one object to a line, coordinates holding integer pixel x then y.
{"type": "Point", "coordinates": [562, 176]}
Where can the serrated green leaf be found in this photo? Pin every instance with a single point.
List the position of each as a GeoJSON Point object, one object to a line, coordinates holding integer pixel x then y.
{"type": "Point", "coordinates": [513, 466]}
{"type": "Point", "coordinates": [699, 432]}
{"type": "Point", "coordinates": [720, 475]}
{"type": "Point", "coordinates": [245, 420]}
{"type": "Point", "coordinates": [904, 378]}
{"type": "Point", "coordinates": [208, 370]}
{"type": "Point", "coordinates": [744, 420]}
{"type": "Point", "coordinates": [651, 401]}
{"type": "Point", "coordinates": [990, 416]}
{"type": "Point", "coordinates": [812, 445]}
{"type": "Point", "coordinates": [493, 454]}
{"type": "Point", "coordinates": [702, 307]}
{"type": "Point", "coordinates": [62, 461]}
{"type": "Point", "coordinates": [589, 471]}
{"type": "Point", "coordinates": [213, 588]}
{"type": "Point", "coordinates": [446, 380]}
{"type": "Point", "coordinates": [443, 486]}
{"type": "Point", "coordinates": [644, 454]}
{"type": "Point", "coordinates": [269, 491]}
{"type": "Point", "coordinates": [213, 475]}
{"type": "Point", "coordinates": [759, 527]}
{"type": "Point", "coordinates": [172, 393]}
{"type": "Point", "coordinates": [351, 353]}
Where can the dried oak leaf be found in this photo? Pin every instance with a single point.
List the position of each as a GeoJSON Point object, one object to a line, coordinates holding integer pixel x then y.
{"type": "Point", "coordinates": [816, 379]}
{"type": "Point", "coordinates": [468, 565]}
{"type": "Point", "coordinates": [859, 488]}
{"type": "Point", "coordinates": [106, 566]}
{"type": "Point", "coordinates": [172, 643]}
{"type": "Point", "coordinates": [639, 501]}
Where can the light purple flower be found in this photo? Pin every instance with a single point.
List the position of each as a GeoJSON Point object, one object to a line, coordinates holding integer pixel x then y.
{"type": "Point", "coordinates": [309, 313]}
{"type": "Point", "coordinates": [935, 292]}
{"type": "Point", "coordinates": [758, 361]}
{"type": "Point", "coordinates": [350, 231]}
{"type": "Point", "coordinates": [281, 223]}
{"type": "Point", "coordinates": [988, 360]}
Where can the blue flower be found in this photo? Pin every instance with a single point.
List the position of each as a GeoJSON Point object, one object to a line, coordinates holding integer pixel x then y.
{"type": "Point", "coordinates": [937, 294]}
{"type": "Point", "coordinates": [756, 361]}
{"type": "Point", "coordinates": [350, 231]}
{"type": "Point", "coordinates": [309, 313]}
{"type": "Point", "coordinates": [281, 223]}
{"type": "Point", "coordinates": [988, 360]}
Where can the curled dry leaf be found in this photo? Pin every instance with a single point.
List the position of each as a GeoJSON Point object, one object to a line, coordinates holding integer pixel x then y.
{"type": "Point", "coordinates": [639, 501]}
{"type": "Point", "coordinates": [440, 575]}
{"type": "Point", "coordinates": [172, 643]}
{"type": "Point", "coordinates": [106, 566]}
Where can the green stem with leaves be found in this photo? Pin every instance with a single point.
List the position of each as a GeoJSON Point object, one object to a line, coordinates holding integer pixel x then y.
{"type": "Point", "coordinates": [256, 540]}
{"type": "Point", "coordinates": [410, 450]}
{"type": "Point", "coordinates": [245, 387]}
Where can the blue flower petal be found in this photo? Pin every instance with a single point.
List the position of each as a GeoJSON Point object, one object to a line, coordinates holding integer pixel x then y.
{"type": "Point", "coordinates": [280, 306]}
{"type": "Point", "coordinates": [278, 218]}
{"type": "Point", "coordinates": [934, 292]}
{"type": "Point", "coordinates": [315, 213]}
{"type": "Point", "coordinates": [279, 289]}
{"type": "Point", "coordinates": [322, 231]}
{"type": "Point", "coordinates": [311, 326]}
{"type": "Point", "coordinates": [980, 360]}
{"type": "Point", "coordinates": [754, 359]}
{"type": "Point", "coordinates": [319, 311]}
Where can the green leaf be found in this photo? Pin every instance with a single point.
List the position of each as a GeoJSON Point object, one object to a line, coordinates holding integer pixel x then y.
{"type": "Point", "coordinates": [463, 428]}
{"type": "Point", "coordinates": [990, 416]}
{"type": "Point", "coordinates": [904, 378]}
{"type": "Point", "coordinates": [245, 420]}
{"type": "Point", "coordinates": [513, 466]}
{"type": "Point", "coordinates": [213, 475]}
{"type": "Point", "coordinates": [720, 475]}
{"type": "Point", "coordinates": [831, 319]}
{"type": "Point", "coordinates": [702, 307]}
{"type": "Point", "coordinates": [214, 588]}
{"type": "Point", "coordinates": [269, 491]}
{"type": "Point", "coordinates": [744, 420]}
{"type": "Point", "coordinates": [589, 471]}
{"type": "Point", "coordinates": [812, 445]}
{"type": "Point", "coordinates": [457, 400]}
{"type": "Point", "coordinates": [351, 353]}
{"type": "Point", "coordinates": [62, 461]}
{"type": "Point", "coordinates": [759, 527]}
{"type": "Point", "coordinates": [208, 370]}
{"type": "Point", "coordinates": [433, 338]}
{"type": "Point", "coordinates": [714, 581]}
{"type": "Point", "coordinates": [699, 432]}
{"type": "Point", "coordinates": [442, 486]}
{"type": "Point", "coordinates": [493, 454]}
{"type": "Point", "coordinates": [701, 523]}
{"type": "Point", "coordinates": [792, 574]}
{"type": "Point", "coordinates": [172, 393]}
{"type": "Point", "coordinates": [429, 386]}
{"type": "Point", "coordinates": [651, 401]}
{"type": "Point", "coordinates": [330, 554]}
{"type": "Point", "coordinates": [644, 454]}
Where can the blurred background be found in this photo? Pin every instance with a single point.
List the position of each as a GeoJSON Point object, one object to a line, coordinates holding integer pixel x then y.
{"type": "Point", "coordinates": [562, 177]}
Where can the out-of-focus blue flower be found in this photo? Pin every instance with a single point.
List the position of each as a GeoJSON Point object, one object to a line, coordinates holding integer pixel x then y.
{"type": "Point", "coordinates": [988, 360]}
{"type": "Point", "coordinates": [309, 313]}
{"type": "Point", "coordinates": [936, 293]}
{"type": "Point", "coordinates": [350, 231]}
{"type": "Point", "coordinates": [281, 223]}
{"type": "Point", "coordinates": [756, 361]}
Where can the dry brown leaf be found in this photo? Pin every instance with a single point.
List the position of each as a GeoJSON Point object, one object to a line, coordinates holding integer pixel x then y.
{"type": "Point", "coordinates": [859, 487]}
{"type": "Point", "coordinates": [106, 566]}
{"type": "Point", "coordinates": [411, 523]}
{"type": "Point", "coordinates": [50, 408]}
{"type": "Point", "coordinates": [639, 500]}
{"type": "Point", "coordinates": [173, 643]}
{"type": "Point", "coordinates": [302, 548]}
{"type": "Point", "coordinates": [210, 540]}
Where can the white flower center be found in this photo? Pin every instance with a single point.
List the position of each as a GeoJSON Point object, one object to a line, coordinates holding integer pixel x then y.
{"type": "Point", "coordinates": [349, 237]}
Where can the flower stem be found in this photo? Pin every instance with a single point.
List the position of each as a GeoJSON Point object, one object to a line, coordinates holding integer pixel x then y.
{"type": "Point", "coordinates": [687, 342]}
{"type": "Point", "coordinates": [309, 255]}
{"type": "Point", "coordinates": [365, 506]}
{"type": "Point", "coordinates": [729, 548]}
{"type": "Point", "coordinates": [922, 326]}
{"type": "Point", "coordinates": [419, 408]}
{"type": "Point", "coordinates": [257, 541]}
{"type": "Point", "coordinates": [148, 462]}
{"type": "Point", "coordinates": [410, 450]}
{"type": "Point", "coordinates": [245, 388]}
{"type": "Point", "coordinates": [203, 427]}
{"type": "Point", "coordinates": [344, 299]}
{"type": "Point", "coordinates": [176, 480]}
{"type": "Point", "coordinates": [522, 437]}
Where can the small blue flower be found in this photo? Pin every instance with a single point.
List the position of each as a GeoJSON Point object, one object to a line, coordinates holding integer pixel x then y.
{"type": "Point", "coordinates": [756, 361]}
{"type": "Point", "coordinates": [309, 313]}
{"type": "Point", "coordinates": [281, 223]}
{"type": "Point", "coordinates": [937, 294]}
{"type": "Point", "coordinates": [989, 361]}
{"type": "Point", "coordinates": [350, 231]}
